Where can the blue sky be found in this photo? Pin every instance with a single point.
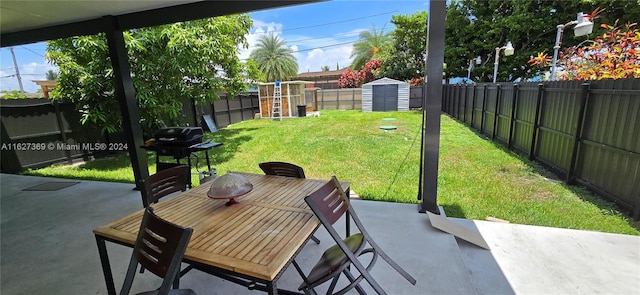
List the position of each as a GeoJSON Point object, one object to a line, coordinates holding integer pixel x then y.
{"type": "Point", "coordinates": [321, 34]}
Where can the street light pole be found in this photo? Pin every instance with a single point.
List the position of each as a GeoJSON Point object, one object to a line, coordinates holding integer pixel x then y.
{"type": "Point", "coordinates": [508, 51]}
{"type": "Point", "coordinates": [478, 61]}
{"type": "Point", "coordinates": [583, 27]}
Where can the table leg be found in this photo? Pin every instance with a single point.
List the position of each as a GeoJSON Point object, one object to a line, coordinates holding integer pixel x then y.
{"type": "Point", "coordinates": [106, 267]}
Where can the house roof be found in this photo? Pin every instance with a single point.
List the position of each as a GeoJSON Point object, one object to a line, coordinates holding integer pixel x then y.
{"type": "Point", "coordinates": [322, 73]}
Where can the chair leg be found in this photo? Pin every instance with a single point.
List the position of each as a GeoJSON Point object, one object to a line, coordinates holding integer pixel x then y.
{"type": "Point", "coordinates": [315, 240]}
{"type": "Point", "coordinates": [352, 279]}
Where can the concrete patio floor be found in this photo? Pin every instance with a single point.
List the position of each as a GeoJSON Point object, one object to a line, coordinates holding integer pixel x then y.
{"type": "Point", "coordinates": [47, 247]}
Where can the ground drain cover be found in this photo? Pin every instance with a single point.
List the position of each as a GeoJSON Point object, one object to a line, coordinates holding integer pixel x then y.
{"type": "Point", "coordinates": [50, 186]}
{"type": "Point", "coordinates": [388, 127]}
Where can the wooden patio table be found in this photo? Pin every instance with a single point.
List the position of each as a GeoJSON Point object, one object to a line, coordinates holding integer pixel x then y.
{"type": "Point", "coordinates": [249, 243]}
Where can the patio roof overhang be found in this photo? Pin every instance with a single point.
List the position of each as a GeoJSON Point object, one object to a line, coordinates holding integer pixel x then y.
{"type": "Point", "coordinates": [23, 22]}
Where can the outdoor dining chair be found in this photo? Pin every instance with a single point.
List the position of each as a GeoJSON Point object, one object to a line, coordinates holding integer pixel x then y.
{"type": "Point", "coordinates": [163, 183]}
{"type": "Point", "coordinates": [329, 203]}
{"type": "Point", "coordinates": [159, 248]}
{"type": "Point", "coordinates": [284, 169]}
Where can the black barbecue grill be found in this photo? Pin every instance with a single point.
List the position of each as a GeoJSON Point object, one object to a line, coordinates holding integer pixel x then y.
{"type": "Point", "coordinates": [179, 143]}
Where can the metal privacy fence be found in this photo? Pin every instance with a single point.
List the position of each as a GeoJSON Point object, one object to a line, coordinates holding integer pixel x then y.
{"type": "Point", "coordinates": [585, 131]}
{"type": "Point", "coordinates": [38, 132]}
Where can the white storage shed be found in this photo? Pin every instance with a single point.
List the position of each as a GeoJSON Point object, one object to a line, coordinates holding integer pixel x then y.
{"type": "Point", "coordinates": [385, 95]}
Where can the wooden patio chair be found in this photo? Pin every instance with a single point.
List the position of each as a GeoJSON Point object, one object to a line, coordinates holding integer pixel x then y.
{"type": "Point", "coordinates": [284, 169]}
{"type": "Point", "coordinates": [163, 183]}
{"type": "Point", "coordinates": [159, 248]}
{"type": "Point", "coordinates": [329, 203]}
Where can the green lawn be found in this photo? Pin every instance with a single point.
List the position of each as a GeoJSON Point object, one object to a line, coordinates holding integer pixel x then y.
{"type": "Point", "coordinates": [477, 179]}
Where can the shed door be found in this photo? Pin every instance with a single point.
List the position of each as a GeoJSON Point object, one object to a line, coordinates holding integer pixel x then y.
{"type": "Point", "coordinates": [385, 98]}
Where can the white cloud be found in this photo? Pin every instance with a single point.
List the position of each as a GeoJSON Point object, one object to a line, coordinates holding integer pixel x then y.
{"type": "Point", "coordinates": [314, 60]}
{"type": "Point", "coordinates": [311, 52]}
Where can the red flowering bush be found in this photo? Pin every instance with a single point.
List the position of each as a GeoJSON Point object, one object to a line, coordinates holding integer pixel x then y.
{"type": "Point", "coordinates": [355, 78]}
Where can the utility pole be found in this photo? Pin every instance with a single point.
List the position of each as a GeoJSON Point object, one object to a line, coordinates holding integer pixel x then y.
{"type": "Point", "coordinates": [15, 64]}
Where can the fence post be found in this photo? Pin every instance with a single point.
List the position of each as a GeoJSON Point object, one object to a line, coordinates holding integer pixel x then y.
{"type": "Point", "coordinates": [337, 99]}
{"type": "Point", "coordinates": [353, 98]}
{"type": "Point", "coordinates": [322, 100]}
{"type": "Point", "coordinates": [239, 97]}
{"type": "Point", "coordinates": [63, 133]}
{"type": "Point", "coordinates": [577, 136]}
{"type": "Point", "coordinates": [464, 105]}
{"type": "Point", "coordinates": [195, 112]}
{"type": "Point", "coordinates": [484, 102]}
{"type": "Point", "coordinates": [229, 109]}
{"type": "Point", "coordinates": [473, 104]}
{"type": "Point", "coordinates": [456, 104]}
{"type": "Point", "coordinates": [496, 114]}
{"type": "Point", "coordinates": [536, 122]}
{"type": "Point", "coordinates": [514, 99]}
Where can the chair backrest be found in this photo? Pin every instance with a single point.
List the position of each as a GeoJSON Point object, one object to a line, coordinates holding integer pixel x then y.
{"type": "Point", "coordinates": [159, 248]}
{"type": "Point", "coordinates": [165, 182]}
{"type": "Point", "coordinates": [282, 169]}
{"type": "Point", "coordinates": [329, 201]}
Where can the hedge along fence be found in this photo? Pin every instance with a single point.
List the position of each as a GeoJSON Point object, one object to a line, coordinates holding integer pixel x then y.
{"type": "Point", "coordinates": [585, 131]}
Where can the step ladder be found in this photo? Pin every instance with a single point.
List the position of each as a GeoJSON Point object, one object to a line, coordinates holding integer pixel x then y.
{"type": "Point", "coordinates": [276, 106]}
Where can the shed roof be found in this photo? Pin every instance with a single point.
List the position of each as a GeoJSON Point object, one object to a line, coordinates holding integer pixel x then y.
{"type": "Point", "coordinates": [385, 80]}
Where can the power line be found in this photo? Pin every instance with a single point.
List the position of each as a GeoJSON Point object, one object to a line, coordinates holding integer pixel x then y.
{"type": "Point", "coordinates": [33, 51]}
{"type": "Point", "coordinates": [332, 45]}
{"type": "Point", "coordinates": [330, 23]}
{"type": "Point", "coordinates": [340, 34]}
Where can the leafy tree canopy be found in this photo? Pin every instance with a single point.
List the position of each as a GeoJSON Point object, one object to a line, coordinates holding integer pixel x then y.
{"type": "Point", "coordinates": [406, 58]}
{"type": "Point", "coordinates": [195, 59]}
{"type": "Point", "coordinates": [477, 27]}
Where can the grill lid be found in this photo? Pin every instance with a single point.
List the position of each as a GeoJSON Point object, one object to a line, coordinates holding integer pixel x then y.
{"type": "Point", "coordinates": [182, 136]}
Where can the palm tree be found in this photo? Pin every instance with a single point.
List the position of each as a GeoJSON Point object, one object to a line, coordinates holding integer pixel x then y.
{"type": "Point", "coordinates": [369, 44]}
{"type": "Point", "coordinates": [274, 59]}
{"type": "Point", "coordinates": [51, 75]}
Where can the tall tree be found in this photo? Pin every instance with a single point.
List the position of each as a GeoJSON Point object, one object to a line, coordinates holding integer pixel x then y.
{"type": "Point", "coordinates": [195, 59]}
{"type": "Point", "coordinates": [325, 68]}
{"type": "Point", "coordinates": [406, 58]}
{"type": "Point", "coordinates": [274, 58]}
{"type": "Point", "coordinates": [369, 45]}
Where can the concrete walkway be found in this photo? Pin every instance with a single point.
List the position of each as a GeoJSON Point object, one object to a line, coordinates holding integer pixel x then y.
{"type": "Point", "coordinates": [47, 247]}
